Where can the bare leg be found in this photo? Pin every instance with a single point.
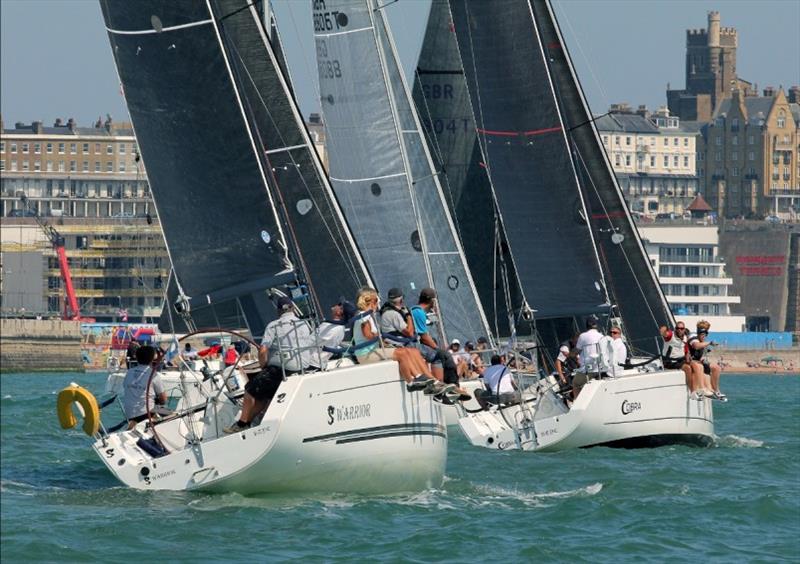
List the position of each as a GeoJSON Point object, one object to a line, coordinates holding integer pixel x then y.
{"type": "Point", "coordinates": [687, 370]}
{"type": "Point", "coordinates": [438, 372]}
{"type": "Point", "coordinates": [251, 407]}
{"type": "Point", "coordinates": [715, 373]}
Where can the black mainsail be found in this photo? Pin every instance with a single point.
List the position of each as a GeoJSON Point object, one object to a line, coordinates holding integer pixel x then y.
{"type": "Point", "coordinates": [552, 182]}
{"type": "Point", "coordinates": [380, 167]}
{"type": "Point", "coordinates": [239, 189]}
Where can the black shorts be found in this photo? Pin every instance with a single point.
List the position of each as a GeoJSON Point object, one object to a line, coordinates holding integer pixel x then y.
{"type": "Point", "coordinates": [673, 364]}
{"type": "Point", "coordinates": [264, 384]}
{"type": "Point", "coordinates": [707, 368]}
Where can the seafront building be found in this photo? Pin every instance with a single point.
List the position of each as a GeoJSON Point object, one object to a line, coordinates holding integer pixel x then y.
{"type": "Point", "coordinates": [653, 156]}
{"type": "Point", "coordinates": [88, 183]}
{"type": "Point", "coordinates": [692, 274]}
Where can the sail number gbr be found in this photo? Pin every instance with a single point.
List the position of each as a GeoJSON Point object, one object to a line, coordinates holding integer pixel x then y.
{"type": "Point", "coordinates": [328, 68]}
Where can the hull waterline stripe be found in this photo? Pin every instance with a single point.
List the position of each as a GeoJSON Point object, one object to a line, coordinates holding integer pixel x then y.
{"type": "Point", "coordinates": [391, 435]}
{"type": "Point", "coordinates": [407, 428]}
{"type": "Point", "coordinates": [660, 419]}
{"type": "Point", "coordinates": [150, 31]}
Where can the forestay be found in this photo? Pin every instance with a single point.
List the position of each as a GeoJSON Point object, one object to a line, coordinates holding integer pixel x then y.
{"type": "Point", "coordinates": [235, 181]}
{"type": "Point", "coordinates": [380, 167]}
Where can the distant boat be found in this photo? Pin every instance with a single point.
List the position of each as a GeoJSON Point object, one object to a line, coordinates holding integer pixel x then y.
{"type": "Point", "coordinates": [506, 113]}
{"type": "Point", "coordinates": [247, 214]}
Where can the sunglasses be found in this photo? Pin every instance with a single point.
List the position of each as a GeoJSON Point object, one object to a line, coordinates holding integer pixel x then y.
{"type": "Point", "coordinates": [615, 332]}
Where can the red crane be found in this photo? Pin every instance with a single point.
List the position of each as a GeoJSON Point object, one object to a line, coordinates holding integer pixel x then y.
{"type": "Point", "coordinates": [71, 311]}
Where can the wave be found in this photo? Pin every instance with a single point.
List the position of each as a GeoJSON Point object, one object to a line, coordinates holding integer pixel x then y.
{"type": "Point", "coordinates": [738, 442]}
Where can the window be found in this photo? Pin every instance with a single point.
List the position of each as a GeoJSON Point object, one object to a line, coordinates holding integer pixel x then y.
{"type": "Point", "coordinates": [122, 166]}
{"type": "Point", "coordinates": [752, 171]}
{"type": "Point", "coordinates": [85, 167]}
{"type": "Point", "coordinates": [109, 149]}
{"type": "Point", "coordinates": [616, 141]}
{"type": "Point", "coordinates": [734, 140]}
{"type": "Point", "coordinates": [2, 146]}
{"type": "Point", "coordinates": [13, 165]}
{"type": "Point", "coordinates": [750, 140]}
{"type": "Point", "coordinates": [2, 165]}
{"type": "Point", "coordinates": [701, 156]}
{"type": "Point", "coordinates": [751, 156]}
{"type": "Point", "coordinates": [685, 141]}
{"type": "Point", "coordinates": [735, 156]}
{"type": "Point", "coordinates": [718, 156]}
{"type": "Point", "coordinates": [49, 166]}
{"type": "Point", "coordinates": [781, 120]}
{"type": "Point", "coordinates": [686, 161]}
{"type": "Point", "coordinates": [666, 141]}
{"type": "Point", "coordinates": [60, 166]}
{"type": "Point", "coordinates": [122, 146]}
{"type": "Point", "coordinates": [652, 160]}
{"type": "Point", "coordinates": [73, 148]}
{"type": "Point", "coordinates": [73, 166]}
{"type": "Point", "coordinates": [97, 148]}
{"type": "Point", "coordinates": [627, 160]}
{"type": "Point", "coordinates": [49, 148]}
{"type": "Point", "coordinates": [13, 147]}
{"type": "Point", "coordinates": [735, 172]}
{"type": "Point", "coordinates": [37, 148]}
{"type": "Point", "coordinates": [37, 166]}
{"type": "Point", "coordinates": [85, 148]}
{"type": "Point", "coordinates": [675, 160]}
{"type": "Point", "coordinates": [25, 166]}
{"type": "Point", "coordinates": [666, 160]}
{"type": "Point", "coordinates": [109, 166]}
{"type": "Point", "coordinates": [627, 140]}
{"type": "Point", "coordinates": [718, 140]}
{"type": "Point", "coordinates": [24, 148]}
{"type": "Point", "coordinates": [675, 141]}
{"type": "Point", "coordinates": [61, 148]}
{"type": "Point", "coordinates": [97, 166]}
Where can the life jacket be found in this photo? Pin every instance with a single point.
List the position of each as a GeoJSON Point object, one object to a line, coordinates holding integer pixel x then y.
{"type": "Point", "coordinates": [696, 354]}
{"type": "Point", "coordinates": [673, 348]}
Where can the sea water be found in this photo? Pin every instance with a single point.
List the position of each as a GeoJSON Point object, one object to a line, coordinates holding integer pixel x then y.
{"type": "Point", "coordinates": [738, 501]}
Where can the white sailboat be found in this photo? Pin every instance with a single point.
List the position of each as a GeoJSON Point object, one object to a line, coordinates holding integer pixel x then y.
{"type": "Point", "coordinates": [509, 122]}
{"type": "Point", "coordinates": [247, 213]}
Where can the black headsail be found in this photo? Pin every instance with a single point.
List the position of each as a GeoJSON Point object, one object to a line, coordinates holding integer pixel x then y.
{"type": "Point", "coordinates": [441, 97]}
{"type": "Point", "coordinates": [238, 187]}
{"type": "Point", "coordinates": [631, 280]}
{"type": "Point", "coordinates": [528, 159]}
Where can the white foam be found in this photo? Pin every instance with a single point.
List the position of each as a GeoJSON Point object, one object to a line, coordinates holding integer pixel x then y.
{"type": "Point", "coordinates": [744, 442]}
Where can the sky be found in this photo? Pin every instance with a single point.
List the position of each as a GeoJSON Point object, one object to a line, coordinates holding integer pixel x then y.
{"type": "Point", "coordinates": [55, 59]}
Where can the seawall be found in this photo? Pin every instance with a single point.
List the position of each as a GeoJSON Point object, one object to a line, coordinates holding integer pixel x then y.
{"type": "Point", "coordinates": [40, 345]}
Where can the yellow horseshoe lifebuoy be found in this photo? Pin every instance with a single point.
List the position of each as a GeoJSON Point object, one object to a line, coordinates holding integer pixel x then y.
{"type": "Point", "coordinates": [91, 411]}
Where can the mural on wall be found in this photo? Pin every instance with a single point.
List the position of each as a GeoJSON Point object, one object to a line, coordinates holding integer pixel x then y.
{"type": "Point", "coordinates": [103, 345]}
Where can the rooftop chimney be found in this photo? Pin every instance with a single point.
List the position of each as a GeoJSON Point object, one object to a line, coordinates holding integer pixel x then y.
{"type": "Point", "coordinates": [58, 123]}
{"type": "Point", "coordinates": [794, 95]}
{"type": "Point", "coordinates": [769, 92]}
{"type": "Point", "coordinates": [713, 29]}
{"type": "Point", "coordinates": [642, 111]}
{"type": "Point", "coordinates": [71, 124]}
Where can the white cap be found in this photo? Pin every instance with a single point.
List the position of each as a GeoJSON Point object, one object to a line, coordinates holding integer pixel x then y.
{"type": "Point", "coordinates": [455, 342]}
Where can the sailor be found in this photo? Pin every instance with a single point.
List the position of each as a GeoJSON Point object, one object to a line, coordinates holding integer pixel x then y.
{"type": "Point", "coordinates": [189, 352]}
{"type": "Point", "coordinates": [698, 350]}
{"type": "Point", "coordinates": [285, 350]}
{"type": "Point", "coordinates": [427, 344]}
{"type": "Point", "coordinates": [498, 381]}
{"type": "Point", "coordinates": [476, 366]}
{"type": "Point", "coordinates": [563, 367]}
{"type": "Point", "coordinates": [587, 343]}
{"type": "Point", "coordinates": [675, 354]}
{"type": "Point", "coordinates": [620, 351]}
{"type": "Point", "coordinates": [137, 403]}
{"type": "Point", "coordinates": [331, 334]}
{"type": "Point", "coordinates": [397, 324]}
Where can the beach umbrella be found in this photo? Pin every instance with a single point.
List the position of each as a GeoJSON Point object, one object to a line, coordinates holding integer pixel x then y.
{"type": "Point", "coordinates": [772, 359]}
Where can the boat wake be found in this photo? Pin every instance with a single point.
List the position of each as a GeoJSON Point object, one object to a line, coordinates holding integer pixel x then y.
{"type": "Point", "coordinates": [734, 441]}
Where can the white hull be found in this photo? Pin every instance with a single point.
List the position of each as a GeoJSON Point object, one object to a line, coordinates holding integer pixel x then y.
{"type": "Point", "coordinates": [632, 410]}
{"type": "Point", "coordinates": [352, 429]}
